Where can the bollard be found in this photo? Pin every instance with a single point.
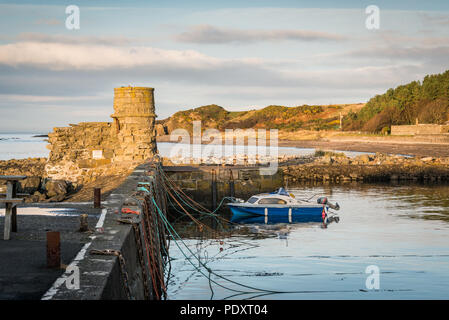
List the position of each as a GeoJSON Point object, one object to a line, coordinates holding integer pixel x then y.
{"type": "Point", "coordinates": [53, 249]}
{"type": "Point", "coordinates": [97, 197]}
{"type": "Point", "coordinates": [84, 226]}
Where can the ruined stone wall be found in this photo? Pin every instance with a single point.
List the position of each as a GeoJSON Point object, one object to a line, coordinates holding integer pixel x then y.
{"type": "Point", "coordinates": [80, 148]}
{"type": "Point", "coordinates": [76, 149]}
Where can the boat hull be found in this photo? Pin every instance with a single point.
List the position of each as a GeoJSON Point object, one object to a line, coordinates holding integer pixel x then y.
{"type": "Point", "coordinates": [275, 214]}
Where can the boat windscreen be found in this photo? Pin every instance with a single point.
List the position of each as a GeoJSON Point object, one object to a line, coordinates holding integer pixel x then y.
{"type": "Point", "coordinates": [253, 199]}
{"type": "Point", "coordinates": [272, 201]}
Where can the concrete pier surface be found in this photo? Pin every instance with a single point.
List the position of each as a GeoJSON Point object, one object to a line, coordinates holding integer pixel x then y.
{"type": "Point", "coordinates": [23, 259]}
{"type": "Point", "coordinates": [121, 275]}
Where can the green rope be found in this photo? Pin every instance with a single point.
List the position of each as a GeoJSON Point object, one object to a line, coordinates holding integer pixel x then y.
{"type": "Point", "coordinates": [201, 263]}
{"type": "Point", "coordinates": [197, 210]}
{"type": "Point", "coordinates": [167, 224]}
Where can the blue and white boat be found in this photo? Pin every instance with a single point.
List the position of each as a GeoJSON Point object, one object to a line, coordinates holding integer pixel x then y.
{"type": "Point", "coordinates": [279, 207]}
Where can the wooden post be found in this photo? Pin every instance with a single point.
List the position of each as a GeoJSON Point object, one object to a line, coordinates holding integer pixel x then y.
{"type": "Point", "coordinates": [14, 218]}
{"type": "Point", "coordinates": [97, 197]}
{"type": "Point", "coordinates": [10, 204]}
{"type": "Point", "coordinates": [9, 189]}
{"type": "Point", "coordinates": [53, 249]}
{"type": "Point", "coordinates": [8, 212]}
{"type": "Point", "coordinates": [231, 184]}
{"type": "Point", "coordinates": [14, 208]}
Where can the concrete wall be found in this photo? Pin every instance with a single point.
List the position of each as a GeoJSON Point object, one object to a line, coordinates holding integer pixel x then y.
{"type": "Point", "coordinates": [196, 182]}
{"type": "Point", "coordinates": [419, 129]}
{"type": "Point", "coordinates": [101, 276]}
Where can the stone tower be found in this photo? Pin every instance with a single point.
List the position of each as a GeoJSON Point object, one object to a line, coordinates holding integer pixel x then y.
{"type": "Point", "coordinates": [134, 119]}
{"type": "Point", "coordinates": [78, 150]}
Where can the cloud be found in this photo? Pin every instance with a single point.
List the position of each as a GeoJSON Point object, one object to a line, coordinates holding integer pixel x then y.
{"type": "Point", "coordinates": [207, 34]}
{"type": "Point", "coordinates": [48, 22]}
{"type": "Point", "coordinates": [436, 56]}
{"type": "Point", "coordinates": [438, 19]}
{"type": "Point", "coordinates": [61, 38]}
{"type": "Point", "coordinates": [68, 56]}
{"type": "Point", "coordinates": [45, 99]}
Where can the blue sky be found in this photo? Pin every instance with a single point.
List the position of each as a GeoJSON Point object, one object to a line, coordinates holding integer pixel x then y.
{"type": "Point", "coordinates": [238, 54]}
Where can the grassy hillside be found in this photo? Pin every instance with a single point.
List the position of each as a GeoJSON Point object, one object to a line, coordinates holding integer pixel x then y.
{"type": "Point", "coordinates": [315, 117]}
{"type": "Point", "coordinates": [428, 101]}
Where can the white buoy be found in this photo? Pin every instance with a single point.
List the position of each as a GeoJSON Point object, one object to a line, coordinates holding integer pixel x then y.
{"type": "Point", "coordinates": [266, 215]}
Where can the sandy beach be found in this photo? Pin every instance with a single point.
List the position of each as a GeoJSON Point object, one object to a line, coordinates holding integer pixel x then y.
{"type": "Point", "coordinates": [388, 144]}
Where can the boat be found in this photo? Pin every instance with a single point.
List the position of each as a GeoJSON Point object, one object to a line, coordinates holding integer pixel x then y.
{"type": "Point", "coordinates": [279, 207]}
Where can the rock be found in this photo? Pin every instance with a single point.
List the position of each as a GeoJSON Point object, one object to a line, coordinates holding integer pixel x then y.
{"type": "Point", "coordinates": [57, 198]}
{"type": "Point", "coordinates": [55, 188]}
{"type": "Point", "coordinates": [427, 159]}
{"type": "Point", "coordinates": [327, 159]}
{"type": "Point", "coordinates": [344, 161]}
{"type": "Point", "coordinates": [39, 196]}
{"type": "Point", "coordinates": [160, 129]}
{"type": "Point", "coordinates": [29, 185]}
{"type": "Point", "coordinates": [364, 158]}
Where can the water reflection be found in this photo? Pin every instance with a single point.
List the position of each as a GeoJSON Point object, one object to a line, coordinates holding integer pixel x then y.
{"type": "Point", "coordinates": [401, 228]}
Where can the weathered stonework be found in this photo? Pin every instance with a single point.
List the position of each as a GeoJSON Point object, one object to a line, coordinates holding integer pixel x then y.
{"type": "Point", "coordinates": [76, 150]}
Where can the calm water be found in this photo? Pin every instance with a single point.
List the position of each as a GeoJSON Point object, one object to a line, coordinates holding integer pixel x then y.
{"type": "Point", "coordinates": [24, 145]}
{"type": "Point", "coordinates": [403, 230]}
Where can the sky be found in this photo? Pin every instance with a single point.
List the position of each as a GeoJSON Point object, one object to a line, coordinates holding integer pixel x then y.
{"type": "Point", "coordinates": [241, 55]}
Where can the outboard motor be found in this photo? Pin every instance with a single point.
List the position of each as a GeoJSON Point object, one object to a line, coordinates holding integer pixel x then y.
{"type": "Point", "coordinates": [325, 201]}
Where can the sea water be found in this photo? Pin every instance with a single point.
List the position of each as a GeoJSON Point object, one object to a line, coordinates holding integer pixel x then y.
{"type": "Point", "coordinates": [401, 230]}
{"type": "Point", "coordinates": [32, 145]}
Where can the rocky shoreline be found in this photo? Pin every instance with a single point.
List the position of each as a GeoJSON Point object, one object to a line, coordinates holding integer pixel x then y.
{"type": "Point", "coordinates": [323, 166]}
{"type": "Point", "coordinates": [41, 188]}
{"type": "Point", "coordinates": [332, 167]}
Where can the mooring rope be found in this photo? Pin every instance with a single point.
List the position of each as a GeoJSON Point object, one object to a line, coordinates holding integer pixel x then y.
{"type": "Point", "coordinates": [170, 229]}
{"type": "Point", "coordinates": [155, 226]}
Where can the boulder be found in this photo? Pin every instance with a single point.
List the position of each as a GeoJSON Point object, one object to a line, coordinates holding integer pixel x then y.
{"type": "Point", "coordinates": [36, 197]}
{"type": "Point", "coordinates": [29, 185]}
{"type": "Point", "coordinates": [327, 159]}
{"type": "Point", "coordinates": [57, 198]}
{"type": "Point", "coordinates": [56, 188]}
{"type": "Point", "coordinates": [344, 161]}
{"type": "Point", "coordinates": [40, 196]}
{"type": "Point", "coordinates": [364, 158]}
